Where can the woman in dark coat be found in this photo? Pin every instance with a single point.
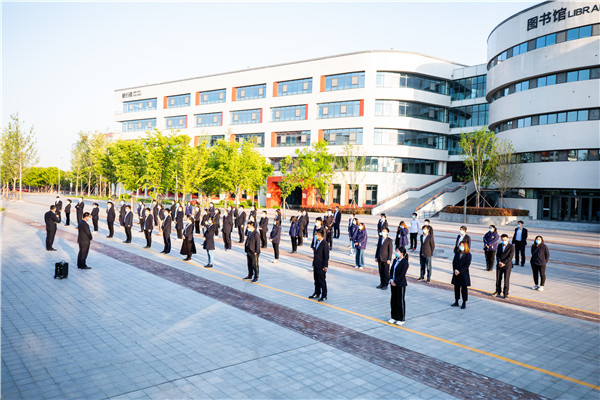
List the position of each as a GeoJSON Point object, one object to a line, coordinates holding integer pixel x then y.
{"type": "Point", "coordinates": [490, 244]}
{"type": "Point", "coordinates": [275, 237]}
{"type": "Point", "coordinates": [402, 235]}
{"type": "Point", "coordinates": [217, 221]}
{"type": "Point", "coordinates": [461, 278]}
{"type": "Point", "coordinates": [398, 284]}
{"type": "Point", "coordinates": [209, 240]}
{"type": "Point", "coordinates": [179, 222]}
{"type": "Point", "coordinates": [539, 258]}
{"type": "Point", "coordinates": [188, 247]}
{"type": "Point", "coordinates": [294, 233]}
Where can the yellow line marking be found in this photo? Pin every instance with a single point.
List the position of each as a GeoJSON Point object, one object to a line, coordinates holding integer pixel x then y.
{"type": "Point", "coordinates": [439, 339]}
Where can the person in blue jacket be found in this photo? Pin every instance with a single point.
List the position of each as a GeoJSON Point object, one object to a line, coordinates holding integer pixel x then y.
{"type": "Point", "coordinates": [360, 243]}
{"type": "Point", "coordinates": [275, 237]}
{"type": "Point", "coordinates": [352, 229]}
{"type": "Point", "coordinates": [294, 233]}
{"type": "Point", "coordinates": [490, 244]}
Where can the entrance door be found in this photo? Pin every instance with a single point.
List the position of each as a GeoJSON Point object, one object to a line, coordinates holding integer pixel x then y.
{"type": "Point", "coordinates": [295, 199]}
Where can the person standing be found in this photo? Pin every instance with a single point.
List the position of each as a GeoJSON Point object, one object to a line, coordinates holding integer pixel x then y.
{"type": "Point", "coordinates": [302, 226]}
{"type": "Point", "coordinates": [141, 213]}
{"type": "Point", "coordinates": [68, 212]}
{"type": "Point", "coordinates": [539, 258]}
{"type": "Point", "coordinates": [84, 238]}
{"type": "Point", "coordinates": [154, 210]}
{"type": "Point", "coordinates": [460, 276]}
{"type": "Point", "coordinates": [402, 235]}
{"type": "Point", "coordinates": [79, 209]}
{"type": "Point", "coordinates": [197, 218]}
{"type": "Point", "coordinates": [166, 231]}
{"type": "Point", "coordinates": [382, 223]}
{"type": "Point", "coordinates": [188, 247]}
{"type": "Point", "coordinates": [161, 217]}
{"type": "Point", "coordinates": [51, 219]}
{"type": "Point", "coordinates": [110, 219]}
{"type": "Point", "coordinates": [294, 233]}
{"type": "Point", "coordinates": [253, 212]}
{"type": "Point", "coordinates": [320, 264]}
{"type": "Point", "coordinates": [263, 224]}
{"type": "Point", "coordinates": [227, 228]}
{"type": "Point", "coordinates": [504, 256]}
{"type": "Point", "coordinates": [383, 257]}
{"type": "Point", "coordinates": [278, 216]}
{"type": "Point", "coordinates": [360, 244]}
{"type": "Point", "coordinates": [318, 225]}
{"type": "Point", "coordinates": [490, 244]}
{"type": "Point", "coordinates": [462, 237]}
{"type": "Point", "coordinates": [520, 241]}
{"type": "Point", "coordinates": [337, 220]}
{"type": "Point", "coordinates": [252, 248]}
{"type": "Point", "coordinates": [148, 226]}
{"type": "Point", "coordinates": [352, 231]}
{"type": "Point", "coordinates": [59, 204]}
{"type": "Point", "coordinates": [415, 227]}
{"type": "Point", "coordinates": [179, 222]}
{"type": "Point", "coordinates": [95, 216]}
{"type": "Point", "coordinates": [240, 222]}
{"type": "Point", "coordinates": [275, 237]}
{"type": "Point", "coordinates": [216, 217]}
{"type": "Point", "coordinates": [328, 224]}
{"type": "Point", "coordinates": [398, 283]}
{"type": "Point", "coordinates": [209, 240]}
{"type": "Point", "coordinates": [128, 223]}
{"type": "Point", "coordinates": [426, 254]}
{"type": "Point", "coordinates": [122, 212]}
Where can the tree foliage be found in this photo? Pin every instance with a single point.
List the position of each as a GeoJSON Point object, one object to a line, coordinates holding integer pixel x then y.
{"type": "Point", "coordinates": [315, 167]}
{"type": "Point", "coordinates": [508, 170]}
{"type": "Point", "coordinates": [480, 158]}
{"type": "Point", "coordinates": [351, 164]}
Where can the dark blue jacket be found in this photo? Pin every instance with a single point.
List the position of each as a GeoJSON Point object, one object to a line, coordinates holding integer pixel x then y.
{"type": "Point", "coordinates": [352, 229]}
{"type": "Point", "coordinates": [398, 271]}
{"type": "Point", "coordinates": [294, 229]}
{"type": "Point", "coordinates": [276, 234]}
{"type": "Point", "coordinates": [491, 239]}
{"type": "Point", "coordinates": [361, 239]}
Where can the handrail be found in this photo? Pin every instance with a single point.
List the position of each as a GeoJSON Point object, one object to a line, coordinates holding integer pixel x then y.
{"type": "Point", "coordinates": [438, 194]}
{"type": "Point", "coordinates": [411, 190]}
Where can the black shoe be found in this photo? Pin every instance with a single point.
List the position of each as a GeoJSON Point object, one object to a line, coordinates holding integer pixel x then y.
{"type": "Point", "coordinates": [108, 237]}
{"type": "Point", "coordinates": [187, 259]}
{"type": "Point", "coordinates": [313, 296]}
{"type": "Point", "coordinates": [162, 252]}
{"type": "Point", "coordinates": [428, 280]}
{"type": "Point", "coordinates": [505, 296]}
{"type": "Point", "coordinates": [146, 247]}
{"type": "Point", "coordinates": [86, 267]}
{"type": "Point", "coordinates": [455, 304]}
{"type": "Point", "coordinates": [208, 266]}
{"type": "Point", "coordinates": [464, 305]}
{"type": "Point", "coordinates": [384, 288]}
{"type": "Point", "coordinates": [248, 277]}
{"type": "Point", "coordinates": [379, 287]}
{"type": "Point", "coordinates": [255, 280]}
{"type": "Point", "coordinates": [322, 298]}
{"type": "Point", "coordinates": [420, 278]}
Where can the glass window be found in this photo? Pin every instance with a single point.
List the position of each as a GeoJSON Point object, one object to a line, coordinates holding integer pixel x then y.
{"type": "Point", "coordinates": [552, 118]}
{"type": "Point", "coordinates": [251, 92]}
{"type": "Point", "coordinates": [551, 39]}
{"type": "Point", "coordinates": [213, 96]}
{"type": "Point", "coordinates": [257, 138]}
{"type": "Point", "coordinates": [572, 76]}
{"type": "Point", "coordinates": [371, 195]}
{"type": "Point", "coordinates": [540, 42]}
{"type": "Point", "coordinates": [139, 105]}
{"type": "Point", "coordinates": [139, 125]}
{"type": "Point", "coordinates": [541, 82]}
{"type": "Point", "coordinates": [595, 73]}
{"type": "Point", "coordinates": [246, 116]}
{"type": "Point", "coordinates": [289, 113]}
{"type": "Point", "coordinates": [573, 34]}
{"type": "Point", "coordinates": [582, 115]}
{"type": "Point", "coordinates": [543, 119]}
{"type": "Point", "coordinates": [182, 100]}
{"type": "Point", "coordinates": [412, 81]}
{"type": "Point", "coordinates": [210, 119]}
{"type": "Point", "coordinates": [582, 155]}
{"type": "Point", "coordinates": [572, 155]}
{"type": "Point", "coordinates": [594, 114]}
{"type": "Point", "coordinates": [585, 31]}
{"type": "Point", "coordinates": [295, 138]}
{"type": "Point", "coordinates": [562, 117]}
{"type": "Point", "coordinates": [343, 136]}
{"type": "Point", "coordinates": [571, 116]}
{"type": "Point", "coordinates": [339, 109]}
{"type": "Point", "coordinates": [551, 80]}
{"type": "Point", "coordinates": [584, 75]}
{"type": "Point", "coordinates": [560, 37]}
{"type": "Point", "coordinates": [351, 80]}
{"type": "Point", "coordinates": [178, 122]}
{"type": "Point", "coordinates": [523, 48]}
{"type": "Point", "coordinates": [297, 86]}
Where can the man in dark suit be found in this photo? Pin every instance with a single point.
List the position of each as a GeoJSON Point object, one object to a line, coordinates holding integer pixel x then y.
{"type": "Point", "coordinates": [128, 223]}
{"type": "Point", "coordinates": [110, 219]}
{"type": "Point", "coordinates": [318, 226]}
{"type": "Point", "coordinates": [95, 216]}
{"type": "Point", "coordinates": [426, 254]}
{"type": "Point", "coordinates": [320, 264]}
{"type": "Point", "coordinates": [51, 219]}
{"type": "Point", "coordinates": [263, 225]}
{"type": "Point", "coordinates": [240, 222]}
{"type": "Point", "coordinates": [148, 225]}
{"type": "Point", "coordinates": [253, 212]}
{"type": "Point", "coordinates": [68, 212]}
{"type": "Point", "coordinates": [337, 220]}
{"type": "Point", "coordinates": [462, 237]}
{"type": "Point", "coordinates": [301, 226]}
{"type": "Point", "coordinates": [197, 218]}
{"type": "Point", "coordinates": [58, 203]}
{"type": "Point", "coordinates": [383, 257]}
{"type": "Point", "coordinates": [328, 224]}
{"type": "Point", "coordinates": [504, 256]}
{"type": "Point", "coordinates": [211, 210]}
{"type": "Point", "coordinates": [166, 231]}
{"type": "Point", "coordinates": [227, 228]}
{"type": "Point", "coordinates": [79, 209]}
{"type": "Point", "coordinates": [84, 237]}
{"type": "Point", "coordinates": [155, 212]}
{"type": "Point", "coordinates": [520, 241]}
{"type": "Point", "coordinates": [382, 223]}
{"type": "Point", "coordinates": [252, 248]}
{"type": "Point", "coordinates": [141, 213]}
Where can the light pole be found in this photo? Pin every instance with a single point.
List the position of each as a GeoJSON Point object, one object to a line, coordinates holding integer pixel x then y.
{"type": "Point", "coordinates": [465, 205]}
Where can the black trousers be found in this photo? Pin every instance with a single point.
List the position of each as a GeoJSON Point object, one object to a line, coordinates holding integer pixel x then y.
{"type": "Point", "coordinates": [336, 231]}
{"type": "Point", "coordinates": [413, 240]}
{"type": "Point", "coordinates": [84, 249]}
{"type": "Point", "coordinates": [320, 282]}
{"type": "Point", "coordinates": [276, 250]}
{"type": "Point", "coordinates": [500, 274]}
{"type": "Point", "coordinates": [148, 235]}
{"type": "Point", "coordinates": [179, 233]}
{"type": "Point", "coordinates": [295, 243]}
{"type": "Point", "coordinates": [50, 238]}
{"type": "Point", "coordinates": [252, 260]}
{"type": "Point", "coordinates": [68, 216]}
{"type": "Point", "coordinates": [241, 234]}
{"type": "Point", "coordinates": [79, 216]}
{"type": "Point", "coordinates": [95, 222]}
{"type": "Point", "coordinates": [167, 241]}
{"type": "Point", "coordinates": [305, 233]}
{"type": "Point", "coordinates": [520, 250]}
{"type": "Point", "coordinates": [197, 226]}
{"type": "Point", "coordinates": [328, 238]}
{"type": "Point", "coordinates": [541, 271]}
{"type": "Point", "coordinates": [141, 224]}
{"type": "Point", "coordinates": [111, 228]}
{"type": "Point", "coordinates": [128, 233]}
{"type": "Point", "coordinates": [397, 303]}
{"type": "Point", "coordinates": [384, 273]}
{"type": "Point", "coordinates": [227, 240]}
{"type": "Point", "coordinates": [461, 289]}
{"type": "Point", "coordinates": [490, 256]}
{"type": "Point", "coordinates": [263, 239]}
{"type": "Point", "coordinates": [299, 239]}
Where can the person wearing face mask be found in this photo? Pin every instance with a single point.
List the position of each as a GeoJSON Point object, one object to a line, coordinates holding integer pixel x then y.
{"type": "Point", "coordinates": [360, 243]}
{"type": "Point", "coordinates": [382, 223]}
{"type": "Point", "coordinates": [426, 254]}
{"type": "Point", "coordinates": [352, 229]}
{"type": "Point", "coordinates": [318, 225]}
{"type": "Point", "coordinates": [539, 258]}
{"type": "Point", "coordinates": [462, 237]}
{"type": "Point", "coordinates": [402, 235]}
{"type": "Point", "coordinates": [490, 244]}
{"type": "Point", "coordinates": [110, 219]}
{"type": "Point", "coordinates": [415, 227]}
{"type": "Point", "coordinates": [209, 240]}
{"type": "Point", "coordinates": [504, 256]}
{"type": "Point", "coordinates": [398, 284]}
{"type": "Point", "coordinates": [188, 247]}
{"type": "Point", "coordinates": [460, 277]}
{"type": "Point", "coordinates": [383, 257]}
{"type": "Point", "coordinates": [520, 241]}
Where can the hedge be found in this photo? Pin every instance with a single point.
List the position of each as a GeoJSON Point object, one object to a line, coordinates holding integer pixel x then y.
{"type": "Point", "coordinates": [343, 210]}
{"type": "Point", "coordinates": [497, 212]}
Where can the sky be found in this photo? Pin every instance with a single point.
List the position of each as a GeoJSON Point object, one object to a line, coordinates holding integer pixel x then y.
{"type": "Point", "coordinates": [62, 62]}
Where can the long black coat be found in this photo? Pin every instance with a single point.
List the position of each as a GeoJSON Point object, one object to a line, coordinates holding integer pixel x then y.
{"type": "Point", "coordinates": [227, 224]}
{"type": "Point", "coordinates": [50, 218]}
{"type": "Point", "coordinates": [276, 234]}
{"type": "Point", "coordinates": [209, 237]}
{"type": "Point", "coordinates": [188, 246]}
{"type": "Point", "coordinates": [110, 214]}
{"type": "Point", "coordinates": [252, 245]}
{"type": "Point", "coordinates": [461, 264]}
{"type": "Point", "coordinates": [179, 220]}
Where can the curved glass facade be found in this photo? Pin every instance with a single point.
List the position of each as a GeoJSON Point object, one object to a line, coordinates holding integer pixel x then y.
{"type": "Point", "coordinates": [390, 79]}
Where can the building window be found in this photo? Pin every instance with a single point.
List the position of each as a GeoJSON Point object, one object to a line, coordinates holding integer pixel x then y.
{"type": "Point", "coordinates": [591, 114]}
{"type": "Point", "coordinates": [337, 194]}
{"type": "Point", "coordinates": [179, 122]}
{"type": "Point", "coordinates": [371, 195]}
{"type": "Point", "coordinates": [139, 125]}
{"type": "Point", "coordinates": [405, 137]}
{"type": "Point", "coordinates": [252, 92]}
{"type": "Point", "coordinates": [558, 155]}
{"type": "Point", "coordinates": [182, 100]}
{"type": "Point", "coordinates": [344, 136]}
{"type": "Point", "coordinates": [468, 88]}
{"type": "Point", "coordinates": [288, 113]}
{"type": "Point", "coordinates": [297, 86]}
{"type": "Point", "coordinates": [213, 96]}
{"type": "Point", "coordinates": [351, 80]}
{"type": "Point", "coordinates": [467, 116]}
{"type": "Point", "coordinates": [340, 109]}
{"type": "Point", "coordinates": [139, 105]}
{"type": "Point", "coordinates": [246, 116]}
{"type": "Point", "coordinates": [257, 138]}
{"type": "Point", "coordinates": [210, 119]}
{"type": "Point", "coordinates": [295, 138]}
{"type": "Point", "coordinates": [400, 165]}
{"type": "Point", "coordinates": [389, 79]}
{"type": "Point", "coordinates": [395, 108]}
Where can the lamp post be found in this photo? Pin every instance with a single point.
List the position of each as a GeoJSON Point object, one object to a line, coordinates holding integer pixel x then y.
{"type": "Point", "coordinates": [465, 205]}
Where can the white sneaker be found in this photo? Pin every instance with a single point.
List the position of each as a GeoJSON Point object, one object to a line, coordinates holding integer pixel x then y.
{"type": "Point", "coordinates": [361, 267]}
{"type": "Point", "coordinates": [541, 289]}
{"type": "Point", "coordinates": [392, 321]}
{"type": "Point", "coordinates": [400, 323]}
{"type": "Point", "coordinates": [535, 287]}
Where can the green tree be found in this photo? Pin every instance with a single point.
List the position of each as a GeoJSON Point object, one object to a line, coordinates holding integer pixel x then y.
{"type": "Point", "coordinates": [315, 167]}
{"type": "Point", "coordinates": [480, 158]}
{"type": "Point", "coordinates": [130, 162]}
{"type": "Point", "coordinates": [290, 179]}
{"type": "Point", "coordinates": [161, 152]}
{"type": "Point", "coordinates": [508, 169]}
{"type": "Point", "coordinates": [193, 166]}
{"type": "Point", "coordinates": [351, 165]}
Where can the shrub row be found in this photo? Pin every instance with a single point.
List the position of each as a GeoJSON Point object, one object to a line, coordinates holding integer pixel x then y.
{"type": "Point", "coordinates": [496, 212]}
{"type": "Point", "coordinates": [343, 210]}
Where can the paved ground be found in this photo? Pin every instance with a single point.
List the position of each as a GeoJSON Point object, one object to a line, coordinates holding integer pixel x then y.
{"type": "Point", "coordinates": [145, 325]}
